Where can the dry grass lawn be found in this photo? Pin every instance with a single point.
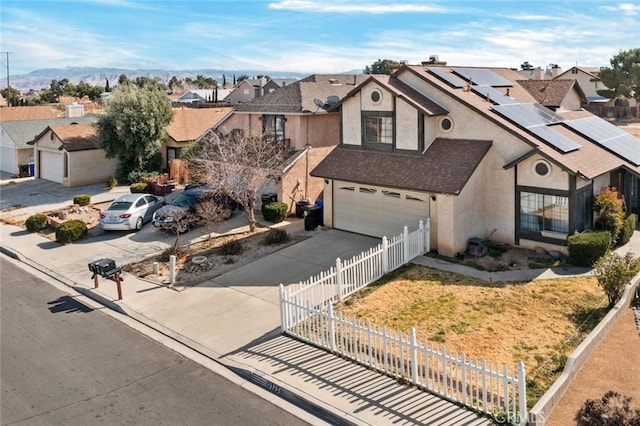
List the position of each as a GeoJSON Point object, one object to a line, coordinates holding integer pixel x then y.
{"type": "Point", "coordinates": [538, 322]}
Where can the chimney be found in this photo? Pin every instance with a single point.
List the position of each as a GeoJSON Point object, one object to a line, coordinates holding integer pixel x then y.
{"type": "Point", "coordinates": [434, 60]}
{"type": "Point", "coordinates": [538, 74]}
{"type": "Point", "coordinates": [555, 70]}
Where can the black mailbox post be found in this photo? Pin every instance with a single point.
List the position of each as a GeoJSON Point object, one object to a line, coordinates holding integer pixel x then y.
{"type": "Point", "coordinates": [106, 268]}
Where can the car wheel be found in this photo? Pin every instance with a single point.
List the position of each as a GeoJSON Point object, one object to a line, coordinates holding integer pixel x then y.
{"type": "Point", "coordinates": [139, 224]}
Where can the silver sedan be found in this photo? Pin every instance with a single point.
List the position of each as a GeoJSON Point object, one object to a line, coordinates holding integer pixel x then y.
{"type": "Point", "coordinates": [130, 211]}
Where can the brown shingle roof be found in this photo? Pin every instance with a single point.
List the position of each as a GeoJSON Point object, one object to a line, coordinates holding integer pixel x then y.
{"type": "Point", "coordinates": [298, 97]}
{"type": "Point", "coordinates": [188, 124]}
{"type": "Point", "coordinates": [549, 93]}
{"type": "Point", "coordinates": [28, 113]}
{"type": "Point", "coordinates": [76, 137]}
{"type": "Point", "coordinates": [445, 168]}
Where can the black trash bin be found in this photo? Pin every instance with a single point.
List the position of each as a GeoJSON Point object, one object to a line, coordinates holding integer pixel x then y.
{"type": "Point", "coordinates": [300, 208]}
{"type": "Point", "coordinates": [313, 217]}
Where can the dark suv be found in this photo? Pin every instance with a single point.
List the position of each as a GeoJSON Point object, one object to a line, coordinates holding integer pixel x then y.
{"type": "Point", "coordinates": [175, 216]}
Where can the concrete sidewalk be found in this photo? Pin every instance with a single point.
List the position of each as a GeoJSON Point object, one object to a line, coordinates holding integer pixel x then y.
{"type": "Point", "coordinates": [234, 319]}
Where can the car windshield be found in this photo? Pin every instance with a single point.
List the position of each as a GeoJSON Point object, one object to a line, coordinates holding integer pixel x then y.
{"type": "Point", "coordinates": [183, 200]}
{"type": "Point", "coordinates": [120, 205]}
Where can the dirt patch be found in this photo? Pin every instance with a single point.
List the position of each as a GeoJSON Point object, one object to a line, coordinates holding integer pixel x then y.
{"type": "Point", "coordinates": [205, 260]}
{"type": "Point", "coordinates": [504, 257]}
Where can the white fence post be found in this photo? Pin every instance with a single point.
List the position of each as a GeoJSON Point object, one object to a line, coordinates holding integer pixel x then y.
{"type": "Point", "coordinates": [405, 245]}
{"type": "Point", "coordinates": [339, 282]}
{"type": "Point", "coordinates": [332, 329]}
{"type": "Point", "coordinates": [421, 234]}
{"type": "Point", "coordinates": [283, 320]}
{"type": "Point", "coordinates": [414, 356]}
{"type": "Point", "coordinates": [427, 236]}
{"type": "Point", "coordinates": [522, 395]}
{"type": "Point", "coordinates": [172, 269]}
{"type": "Point", "coordinates": [385, 255]}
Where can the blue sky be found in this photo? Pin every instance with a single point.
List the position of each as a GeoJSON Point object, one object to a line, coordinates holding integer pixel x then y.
{"type": "Point", "coordinates": [309, 36]}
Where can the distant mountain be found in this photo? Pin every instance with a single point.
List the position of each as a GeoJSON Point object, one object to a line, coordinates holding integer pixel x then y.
{"type": "Point", "coordinates": [40, 79]}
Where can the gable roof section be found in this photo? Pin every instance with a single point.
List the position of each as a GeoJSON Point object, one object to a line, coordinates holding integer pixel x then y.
{"type": "Point", "coordinates": [23, 132]}
{"type": "Point", "coordinates": [298, 97]}
{"type": "Point", "coordinates": [590, 71]}
{"type": "Point", "coordinates": [39, 112]}
{"type": "Point", "coordinates": [580, 161]}
{"type": "Point", "coordinates": [188, 124]}
{"type": "Point", "coordinates": [76, 137]}
{"type": "Point", "coordinates": [550, 93]}
{"type": "Point", "coordinates": [444, 169]}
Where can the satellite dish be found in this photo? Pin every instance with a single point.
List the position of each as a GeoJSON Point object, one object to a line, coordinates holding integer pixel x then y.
{"type": "Point", "coordinates": [332, 100]}
{"type": "Point", "coordinates": [319, 102]}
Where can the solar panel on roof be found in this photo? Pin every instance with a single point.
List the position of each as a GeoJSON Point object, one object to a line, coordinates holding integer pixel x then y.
{"type": "Point", "coordinates": [609, 136]}
{"type": "Point", "coordinates": [447, 77]}
{"type": "Point", "coordinates": [495, 96]}
{"type": "Point", "coordinates": [560, 142]}
{"type": "Point", "coordinates": [483, 77]}
{"type": "Point", "coordinates": [528, 115]}
{"type": "Point", "coordinates": [535, 118]}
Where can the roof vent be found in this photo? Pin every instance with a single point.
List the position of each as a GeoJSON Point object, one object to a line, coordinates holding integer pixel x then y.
{"type": "Point", "coordinates": [434, 60]}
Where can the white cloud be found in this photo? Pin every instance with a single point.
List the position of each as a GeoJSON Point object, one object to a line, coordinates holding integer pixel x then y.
{"type": "Point", "coordinates": [354, 7]}
{"type": "Point", "coordinates": [629, 9]}
{"type": "Point", "coordinates": [530, 17]}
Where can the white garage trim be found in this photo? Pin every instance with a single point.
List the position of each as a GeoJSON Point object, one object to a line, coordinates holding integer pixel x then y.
{"type": "Point", "coordinates": [8, 159]}
{"type": "Point", "coordinates": [51, 166]}
{"type": "Point", "coordinates": [377, 211]}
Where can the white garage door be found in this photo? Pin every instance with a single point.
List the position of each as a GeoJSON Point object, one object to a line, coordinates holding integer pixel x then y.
{"type": "Point", "coordinates": [8, 159]}
{"type": "Point", "coordinates": [51, 166]}
{"type": "Point", "coordinates": [377, 211]}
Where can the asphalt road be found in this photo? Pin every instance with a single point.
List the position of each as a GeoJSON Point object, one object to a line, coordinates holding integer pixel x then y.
{"type": "Point", "coordinates": [62, 363]}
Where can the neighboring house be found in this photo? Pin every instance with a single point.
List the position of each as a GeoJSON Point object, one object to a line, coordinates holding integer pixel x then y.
{"type": "Point", "coordinates": [557, 95]}
{"type": "Point", "coordinates": [241, 93]}
{"type": "Point", "coordinates": [428, 143]}
{"type": "Point", "coordinates": [589, 82]}
{"type": "Point", "coordinates": [71, 155]}
{"type": "Point", "coordinates": [16, 154]}
{"type": "Point", "coordinates": [29, 113]}
{"type": "Point", "coordinates": [202, 95]}
{"type": "Point", "coordinates": [297, 116]}
{"type": "Point", "coordinates": [188, 125]}
{"type": "Point", "coordinates": [276, 83]}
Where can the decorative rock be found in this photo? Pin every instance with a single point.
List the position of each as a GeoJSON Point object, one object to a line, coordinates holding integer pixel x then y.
{"type": "Point", "coordinates": [540, 250]}
{"type": "Point", "coordinates": [199, 259]}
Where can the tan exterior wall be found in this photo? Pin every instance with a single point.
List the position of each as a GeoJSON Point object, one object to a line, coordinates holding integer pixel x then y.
{"type": "Point", "coordinates": [87, 167]}
{"type": "Point", "coordinates": [328, 203]}
{"type": "Point", "coordinates": [571, 102]}
{"type": "Point", "coordinates": [384, 104]}
{"type": "Point", "coordinates": [406, 126]}
{"type": "Point", "coordinates": [323, 130]}
{"type": "Point", "coordinates": [601, 182]}
{"type": "Point", "coordinates": [242, 93]}
{"type": "Point", "coordinates": [445, 225]}
{"type": "Point", "coordinates": [297, 185]}
{"type": "Point", "coordinates": [352, 133]}
{"type": "Point", "coordinates": [556, 179]}
{"type": "Point", "coordinates": [581, 183]}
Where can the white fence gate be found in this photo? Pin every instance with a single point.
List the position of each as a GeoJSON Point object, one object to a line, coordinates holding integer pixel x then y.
{"type": "Point", "coordinates": [306, 312]}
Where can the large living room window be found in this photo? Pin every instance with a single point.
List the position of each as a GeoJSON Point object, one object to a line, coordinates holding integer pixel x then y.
{"type": "Point", "coordinates": [544, 212]}
{"type": "Point", "coordinates": [377, 128]}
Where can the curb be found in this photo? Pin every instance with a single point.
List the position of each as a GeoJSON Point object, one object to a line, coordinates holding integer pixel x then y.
{"type": "Point", "coordinates": [273, 386]}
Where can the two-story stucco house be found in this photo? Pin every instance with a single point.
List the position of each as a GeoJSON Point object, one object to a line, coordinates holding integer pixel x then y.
{"type": "Point", "coordinates": [473, 151]}
{"type": "Point", "coordinates": [297, 115]}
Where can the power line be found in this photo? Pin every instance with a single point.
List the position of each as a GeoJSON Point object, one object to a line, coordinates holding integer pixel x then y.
{"type": "Point", "coordinates": [8, 85]}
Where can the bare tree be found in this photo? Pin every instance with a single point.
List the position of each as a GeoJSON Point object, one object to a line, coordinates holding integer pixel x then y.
{"type": "Point", "coordinates": [239, 165]}
{"type": "Point", "coordinates": [212, 212]}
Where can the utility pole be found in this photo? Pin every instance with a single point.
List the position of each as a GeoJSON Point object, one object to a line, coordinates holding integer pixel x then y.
{"type": "Point", "coordinates": [8, 86]}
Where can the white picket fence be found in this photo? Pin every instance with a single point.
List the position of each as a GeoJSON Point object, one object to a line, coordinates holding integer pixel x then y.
{"type": "Point", "coordinates": [306, 312]}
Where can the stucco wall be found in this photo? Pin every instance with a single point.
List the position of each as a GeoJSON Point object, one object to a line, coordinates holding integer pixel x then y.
{"type": "Point", "coordinates": [296, 184]}
{"type": "Point", "coordinates": [445, 226]}
{"type": "Point", "coordinates": [328, 203]}
{"type": "Point", "coordinates": [601, 182]}
{"type": "Point", "coordinates": [323, 130]}
{"type": "Point", "coordinates": [352, 121]}
{"type": "Point", "coordinates": [571, 102]}
{"type": "Point", "coordinates": [91, 166]}
{"type": "Point", "coordinates": [406, 126]}
{"type": "Point", "coordinates": [555, 179]}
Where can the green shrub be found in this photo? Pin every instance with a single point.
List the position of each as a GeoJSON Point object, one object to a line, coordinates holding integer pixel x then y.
{"type": "Point", "coordinates": [614, 272]}
{"type": "Point", "coordinates": [275, 212]}
{"type": "Point", "coordinates": [586, 248]}
{"type": "Point", "coordinates": [627, 230]}
{"type": "Point", "coordinates": [82, 199]}
{"type": "Point", "coordinates": [36, 223]}
{"type": "Point", "coordinates": [110, 182]}
{"type": "Point", "coordinates": [139, 187]}
{"type": "Point", "coordinates": [610, 212]}
{"type": "Point", "coordinates": [275, 236]}
{"type": "Point", "coordinates": [232, 248]}
{"type": "Point", "coordinates": [71, 230]}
